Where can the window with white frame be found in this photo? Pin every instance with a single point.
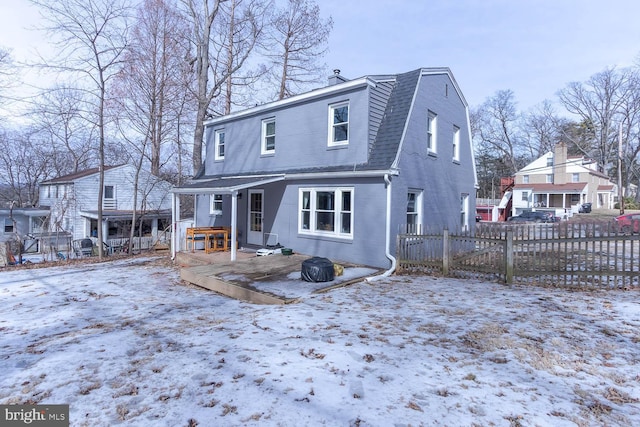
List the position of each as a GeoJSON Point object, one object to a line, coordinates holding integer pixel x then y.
{"type": "Point", "coordinates": [550, 160]}
{"type": "Point", "coordinates": [575, 177]}
{"type": "Point", "coordinates": [456, 143]}
{"type": "Point", "coordinates": [268, 136]}
{"type": "Point", "coordinates": [464, 211]}
{"type": "Point", "coordinates": [326, 212]}
{"type": "Point", "coordinates": [525, 196]}
{"type": "Point", "coordinates": [549, 178]}
{"type": "Point", "coordinates": [414, 210]}
{"type": "Point", "coordinates": [339, 124]}
{"type": "Point", "coordinates": [8, 225]}
{"type": "Point", "coordinates": [432, 130]}
{"type": "Point", "coordinates": [525, 179]}
{"type": "Point", "coordinates": [215, 207]}
{"type": "Point", "coordinates": [219, 143]}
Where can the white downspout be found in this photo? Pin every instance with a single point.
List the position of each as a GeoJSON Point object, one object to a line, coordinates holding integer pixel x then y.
{"type": "Point", "coordinates": [234, 224]}
{"type": "Point", "coordinates": [388, 235]}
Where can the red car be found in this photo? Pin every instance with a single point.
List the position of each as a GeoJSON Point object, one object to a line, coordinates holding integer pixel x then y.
{"type": "Point", "coordinates": [629, 223]}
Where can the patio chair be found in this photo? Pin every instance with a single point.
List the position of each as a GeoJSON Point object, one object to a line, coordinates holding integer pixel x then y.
{"type": "Point", "coordinates": [83, 247]}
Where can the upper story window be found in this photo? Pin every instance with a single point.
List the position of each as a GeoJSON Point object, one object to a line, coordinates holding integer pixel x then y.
{"type": "Point", "coordinates": [339, 124]}
{"type": "Point", "coordinates": [326, 212]}
{"type": "Point", "coordinates": [432, 130]}
{"type": "Point", "coordinates": [525, 179]}
{"type": "Point", "coordinates": [414, 210]}
{"type": "Point", "coordinates": [549, 178]}
{"type": "Point", "coordinates": [550, 161]}
{"type": "Point", "coordinates": [268, 136]}
{"type": "Point", "coordinates": [109, 192]}
{"type": "Point", "coordinates": [456, 143]}
{"type": "Point", "coordinates": [8, 225]}
{"type": "Point", "coordinates": [575, 177]}
{"type": "Point", "coordinates": [215, 207]}
{"type": "Point", "coordinates": [219, 142]}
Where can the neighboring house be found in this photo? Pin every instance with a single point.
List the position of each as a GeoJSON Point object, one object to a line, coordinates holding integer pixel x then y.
{"type": "Point", "coordinates": [337, 172]}
{"type": "Point", "coordinates": [559, 183]}
{"type": "Point", "coordinates": [22, 222]}
{"type": "Point", "coordinates": [73, 202]}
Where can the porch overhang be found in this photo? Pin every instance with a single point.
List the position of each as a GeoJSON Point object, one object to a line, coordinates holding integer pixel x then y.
{"type": "Point", "coordinates": [225, 185]}
{"type": "Point", "coordinates": [120, 215]}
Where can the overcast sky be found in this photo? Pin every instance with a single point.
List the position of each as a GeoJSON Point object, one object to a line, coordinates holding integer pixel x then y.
{"type": "Point", "coordinates": [533, 47]}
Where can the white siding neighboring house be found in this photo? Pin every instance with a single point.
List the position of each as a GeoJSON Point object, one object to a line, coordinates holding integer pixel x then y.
{"type": "Point", "coordinates": [73, 202]}
{"type": "Point", "coordinates": [561, 184]}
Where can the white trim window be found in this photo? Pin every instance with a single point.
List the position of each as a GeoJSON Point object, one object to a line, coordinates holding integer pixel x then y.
{"type": "Point", "coordinates": [339, 124]}
{"type": "Point", "coordinates": [575, 177]}
{"type": "Point", "coordinates": [268, 136]}
{"type": "Point", "coordinates": [549, 178]}
{"type": "Point", "coordinates": [432, 131]}
{"type": "Point", "coordinates": [456, 143]}
{"type": "Point", "coordinates": [219, 144]}
{"type": "Point", "coordinates": [215, 204]}
{"type": "Point", "coordinates": [464, 211]}
{"type": "Point", "coordinates": [525, 179]}
{"type": "Point", "coordinates": [414, 210]}
{"type": "Point", "coordinates": [326, 212]}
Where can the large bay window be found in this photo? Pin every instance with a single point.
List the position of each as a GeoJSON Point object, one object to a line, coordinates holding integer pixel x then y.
{"type": "Point", "coordinates": [326, 212]}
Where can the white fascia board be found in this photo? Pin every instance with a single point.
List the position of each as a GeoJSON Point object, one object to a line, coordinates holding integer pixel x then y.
{"type": "Point", "coordinates": [318, 93]}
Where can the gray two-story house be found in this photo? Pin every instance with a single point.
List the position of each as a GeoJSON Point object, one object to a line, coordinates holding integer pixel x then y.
{"type": "Point", "coordinates": [337, 172]}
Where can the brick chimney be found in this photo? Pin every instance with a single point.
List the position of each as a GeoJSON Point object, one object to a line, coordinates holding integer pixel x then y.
{"type": "Point", "coordinates": [560, 163]}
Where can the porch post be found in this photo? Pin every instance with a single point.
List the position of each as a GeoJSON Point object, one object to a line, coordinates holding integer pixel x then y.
{"type": "Point", "coordinates": [234, 223]}
{"type": "Point", "coordinates": [175, 218]}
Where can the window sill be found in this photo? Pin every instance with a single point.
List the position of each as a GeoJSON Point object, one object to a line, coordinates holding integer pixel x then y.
{"type": "Point", "coordinates": [268, 154]}
{"type": "Point", "coordinates": [337, 146]}
{"type": "Point", "coordinates": [456, 161]}
{"type": "Point", "coordinates": [326, 237]}
{"type": "Point", "coordinates": [433, 154]}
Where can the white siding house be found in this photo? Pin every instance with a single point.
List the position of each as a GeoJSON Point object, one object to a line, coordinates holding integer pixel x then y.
{"type": "Point", "coordinates": [73, 202]}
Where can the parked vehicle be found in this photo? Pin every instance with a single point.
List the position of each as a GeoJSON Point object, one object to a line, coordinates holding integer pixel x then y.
{"type": "Point", "coordinates": [533, 216]}
{"type": "Point", "coordinates": [585, 208]}
{"type": "Point", "coordinates": [628, 223]}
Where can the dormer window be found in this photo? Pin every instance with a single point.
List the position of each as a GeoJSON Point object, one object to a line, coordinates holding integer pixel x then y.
{"type": "Point", "coordinates": [268, 136]}
{"type": "Point", "coordinates": [219, 142]}
{"type": "Point", "coordinates": [339, 124]}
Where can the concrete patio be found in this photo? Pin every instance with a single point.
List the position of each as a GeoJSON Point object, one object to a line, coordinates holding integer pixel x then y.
{"type": "Point", "coordinates": [272, 279]}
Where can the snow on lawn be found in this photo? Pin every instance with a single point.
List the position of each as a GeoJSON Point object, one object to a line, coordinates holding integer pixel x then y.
{"type": "Point", "coordinates": [127, 343]}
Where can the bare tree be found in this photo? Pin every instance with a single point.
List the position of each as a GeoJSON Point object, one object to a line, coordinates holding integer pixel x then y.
{"type": "Point", "coordinates": [299, 38]}
{"type": "Point", "coordinates": [240, 31]}
{"type": "Point", "coordinates": [58, 118]}
{"type": "Point", "coordinates": [598, 103]}
{"type": "Point", "coordinates": [212, 64]}
{"type": "Point", "coordinates": [543, 129]}
{"type": "Point", "coordinates": [91, 37]}
{"type": "Point", "coordinates": [148, 89]}
{"type": "Point", "coordinates": [24, 162]}
{"type": "Point", "coordinates": [7, 72]}
{"type": "Point", "coordinates": [495, 127]}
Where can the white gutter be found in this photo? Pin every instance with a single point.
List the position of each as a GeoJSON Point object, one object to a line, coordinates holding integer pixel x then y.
{"type": "Point", "coordinates": [387, 252]}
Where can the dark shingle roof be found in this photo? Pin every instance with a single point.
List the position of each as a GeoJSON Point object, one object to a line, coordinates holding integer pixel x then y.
{"type": "Point", "coordinates": [387, 142]}
{"type": "Point", "coordinates": [73, 176]}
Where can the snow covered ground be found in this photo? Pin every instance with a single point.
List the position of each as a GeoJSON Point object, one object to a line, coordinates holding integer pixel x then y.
{"type": "Point", "coordinates": [126, 343]}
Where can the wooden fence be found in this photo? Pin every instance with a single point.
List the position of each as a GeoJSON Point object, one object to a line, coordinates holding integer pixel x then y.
{"type": "Point", "coordinates": [594, 255]}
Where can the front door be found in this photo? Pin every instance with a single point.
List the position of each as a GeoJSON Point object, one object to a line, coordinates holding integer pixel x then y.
{"type": "Point", "coordinates": [256, 213]}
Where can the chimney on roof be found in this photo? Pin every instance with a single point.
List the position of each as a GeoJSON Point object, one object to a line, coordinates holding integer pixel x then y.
{"type": "Point", "coordinates": [336, 78]}
{"type": "Point", "coordinates": [560, 163]}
